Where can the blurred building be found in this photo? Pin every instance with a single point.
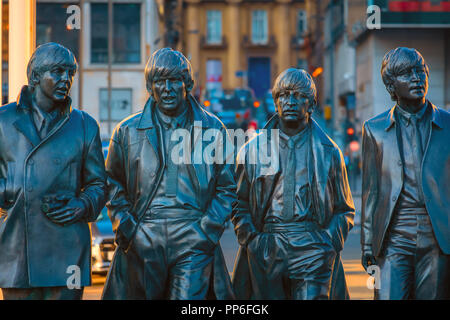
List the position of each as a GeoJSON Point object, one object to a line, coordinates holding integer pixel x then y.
{"type": "Point", "coordinates": [231, 43]}
{"type": "Point", "coordinates": [424, 25]}
{"type": "Point", "coordinates": [352, 38]}
{"type": "Point", "coordinates": [243, 43]}
{"type": "Point", "coordinates": [135, 33]}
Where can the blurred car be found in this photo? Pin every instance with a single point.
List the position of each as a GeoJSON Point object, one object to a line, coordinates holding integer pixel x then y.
{"type": "Point", "coordinates": [238, 105]}
{"type": "Point", "coordinates": [103, 245]}
{"type": "Point", "coordinates": [211, 99]}
{"type": "Point", "coordinates": [268, 105]}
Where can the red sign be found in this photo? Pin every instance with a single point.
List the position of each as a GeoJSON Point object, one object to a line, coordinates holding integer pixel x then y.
{"type": "Point", "coordinates": [419, 6]}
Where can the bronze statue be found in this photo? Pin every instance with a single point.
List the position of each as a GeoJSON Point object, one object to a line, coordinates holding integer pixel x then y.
{"type": "Point", "coordinates": [406, 186]}
{"type": "Point", "coordinates": [168, 216]}
{"type": "Point", "coordinates": [52, 183]}
{"type": "Point", "coordinates": [291, 222]}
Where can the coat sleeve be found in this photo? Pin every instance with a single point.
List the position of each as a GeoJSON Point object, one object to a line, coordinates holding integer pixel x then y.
{"type": "Point", "coordinates": [369, 187]}
{"type": "Point", "coordinates": [118, 204]}
{"type": "Point", "coordinates": [241, 216]}
{"type": "Point", "coordinates": [343, 207]}
{"type": "Point", "coordinates": [93, 192]}
{"type": "Point", "coordinates": [220, 206]}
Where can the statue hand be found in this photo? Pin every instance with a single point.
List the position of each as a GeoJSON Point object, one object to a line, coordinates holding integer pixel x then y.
{"type": "Point", "coordinates": [72, 212]}
{"type": "Point", "coordinates": [368, 259]}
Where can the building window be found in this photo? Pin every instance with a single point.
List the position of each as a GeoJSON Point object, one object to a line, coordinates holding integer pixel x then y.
{"type": "Point", "coordinates": [259, 27]}
{"type": "Point", "coordinates": [126, 33]}
{"type": "Point", "coordinates": [214, 27]}
{"type": "Point", "coordinates": [51, 28]}
{"type": "Point", "coordinates": [120, 104]}
{"type": "Point", "coordinates": [301, 23]}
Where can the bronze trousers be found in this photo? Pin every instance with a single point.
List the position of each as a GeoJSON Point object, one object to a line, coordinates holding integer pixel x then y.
{"type": "Point", "coordinates": [291, 261]}
{"type": "Point", "coordinates": [412, 266]}
{"type": "Point", "coordinates": [177, 259]}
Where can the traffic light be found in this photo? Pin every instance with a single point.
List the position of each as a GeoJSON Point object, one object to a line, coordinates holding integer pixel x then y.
{"type": "Point", "coordinates": [350, 133]}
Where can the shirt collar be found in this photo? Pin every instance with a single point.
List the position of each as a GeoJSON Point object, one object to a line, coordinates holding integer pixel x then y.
{"type": "Point", "coordinates": [298, 139]}
{"type": "Point", "coordinates": [407, 116]}
{"type": "Point", "coordinates": [172, 122]}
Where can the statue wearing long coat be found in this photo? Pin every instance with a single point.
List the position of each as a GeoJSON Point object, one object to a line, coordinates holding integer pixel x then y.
{"type": "Point", "coordinates": [34, 251]}
{"type": "Point", "coordinates": [333, 203]}
{"type": "Point", "coordinates": [135, 165]}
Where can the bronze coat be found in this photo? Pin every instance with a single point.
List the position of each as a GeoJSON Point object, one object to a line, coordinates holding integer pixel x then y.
{"type": "Point", "coordinates": [134, 167]}
{"type": "Point", "coordinates": [332, 200]}
{"type": "Point", "coordinates": [34, 251]}
{"type": "Point", "coordinates": [382, 179]}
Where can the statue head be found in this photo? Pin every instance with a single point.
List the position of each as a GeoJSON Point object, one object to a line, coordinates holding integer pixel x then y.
{"type": "Point", "coordinates": [405, 75]}
{"type": "Point", "coordinates": [169, 79]}
{"type": "Point", "coordinates": [295, 96]}
{"type": "Point", "coordinates": [50, 71]}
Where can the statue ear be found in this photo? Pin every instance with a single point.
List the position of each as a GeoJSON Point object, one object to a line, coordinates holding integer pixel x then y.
{"type": "Point", "coordinates": [189, 87]}
{"type": "Point", "coordinates": [312, 106]}
{"type": "Point", "coordinates": [149, 88]}
{"type": "Point", "coordinates": [391, 90]}
{"type": "Point", "coordinates": [35, 77]}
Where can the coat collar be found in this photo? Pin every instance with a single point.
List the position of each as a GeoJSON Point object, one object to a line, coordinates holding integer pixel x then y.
{"type": "Point", "coordinates": [24, 122]}
{"type": "Point", "coordinates": [24, 101]}
{"type": "Point", "coordinates": [200, 116]}
{"type": "Point", "coordinates": [435, 116]}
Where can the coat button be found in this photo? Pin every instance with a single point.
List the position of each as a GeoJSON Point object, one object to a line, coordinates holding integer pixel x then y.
{"type": "Point", "coordinates": [152, 174]}
{"type": "Point", "coordinates": [394, 198]}
{"type": "Point", "coordinates": [56, 161]}
{"type": "Point", "coordinates": [399, 162]}
{"type": "Point", "coordinates": [31, 161]}
{"type": "Point", "coordinates": [30, 189]}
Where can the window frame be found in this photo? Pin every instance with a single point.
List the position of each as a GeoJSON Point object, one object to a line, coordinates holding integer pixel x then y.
{"type": "Point", "coordinates": [214, 37]}
{"type": "Point", "coordinates": [259, 27]}
{"type": "Point", "coordinates": [90, 65]}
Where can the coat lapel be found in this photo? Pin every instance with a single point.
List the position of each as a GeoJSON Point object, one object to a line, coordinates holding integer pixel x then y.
{"type": "Point", "coordinates": [393, 153]}
{"type": "Point", "coordinates": [25, 125]}
{"type": "Point", "coordinates": [151, 130]}
{"type": "Point", "coordinates": [201, 122]}
{"type": "Point", "coordinates": [320, 161]}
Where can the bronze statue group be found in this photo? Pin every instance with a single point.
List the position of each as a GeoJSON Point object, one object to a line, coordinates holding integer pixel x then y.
{"type": "Point", "coordinates": [291, 219]}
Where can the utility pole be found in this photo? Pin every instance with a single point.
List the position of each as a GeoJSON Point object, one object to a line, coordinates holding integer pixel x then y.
{"type": "Point", "coordinates": [110, 59]}
{"type": "Point", "coordinates": [80, 57]}
{"type": "Point", "coordinates": [171, 34]}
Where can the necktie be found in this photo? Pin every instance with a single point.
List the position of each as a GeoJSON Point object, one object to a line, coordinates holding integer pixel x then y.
{"type": "Point", "coordinates": [418, 151]}
{"type": "Point", "coordinates": [289, 183]}
{"type": "Point", "coordinates": [172, 168]}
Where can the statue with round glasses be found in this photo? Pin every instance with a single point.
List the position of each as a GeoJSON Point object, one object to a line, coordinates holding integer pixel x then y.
{"type": "Point", "coordinates": [406, 186]}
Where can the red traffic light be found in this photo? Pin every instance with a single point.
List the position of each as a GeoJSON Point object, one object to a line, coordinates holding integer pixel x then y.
{"type": "Point", "coordinates": [350, 131]}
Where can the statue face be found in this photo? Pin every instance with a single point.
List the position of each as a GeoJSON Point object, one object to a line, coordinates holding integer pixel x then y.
{"type": "Point", "coordinates": [411, 83]}
{"type": "Point", "coordinates": [293, 106]}
{"type": "Point", "coordinates": [169, 94]}
{"type": "Point", "coordinates": [55, 83]}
